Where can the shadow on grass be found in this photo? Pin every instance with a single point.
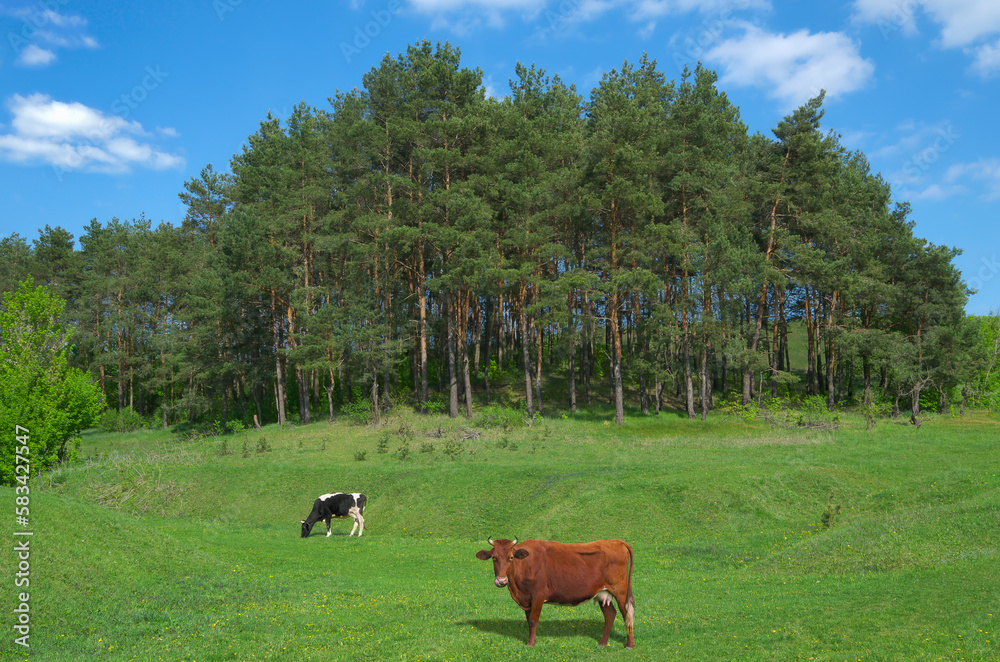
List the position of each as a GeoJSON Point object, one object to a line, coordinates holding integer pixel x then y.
{"type": "Point", "coordinates": [588, 628]}
{"type": "Point", "coordinates": [604, 413]}
{"type": "Point", "coordinates": [333, 533]}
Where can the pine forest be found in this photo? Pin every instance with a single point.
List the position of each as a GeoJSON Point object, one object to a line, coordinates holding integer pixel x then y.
{"type": "Point", "coordinates": [420, 244]}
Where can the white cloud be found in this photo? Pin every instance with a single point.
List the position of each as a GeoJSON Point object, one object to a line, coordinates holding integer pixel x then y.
{"type": "Point", "coordinates": [466, 16]}
{"type": "Point", "coordinates": [919, 156]}
{"type": "Point", "coordinates": [72, 136]}
{"type": "Point", "coordinates": [986, 170]}
{"type": "Point", "coordinates": [44, 31]}
{"type": "Point", "coordinates": [64, 21]}
{"type": "Point", "coordinates": [918, 139]}
{"type": "Point", "coordinates": [440, 6]}
{"type": "Point", "coordinates": [643, 9]}
{"type": "Point", "coordinates": [33, 56]}
{"type": "Point", "coordinates": [964, 24]}
{"type": "Point", "coordinates": [986, 59]}
{"type": "Point", "coordinates": [855, 138]}
{"type": "Point", "coordinates": [792, 68]}
{"type": "Point", "coordinates": [935, 192]}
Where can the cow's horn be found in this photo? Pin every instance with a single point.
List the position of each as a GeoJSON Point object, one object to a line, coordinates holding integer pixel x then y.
{"type": "Point", "coordinates": [489, 540]}
{"type": "Point", "coordinates": [515, 541]}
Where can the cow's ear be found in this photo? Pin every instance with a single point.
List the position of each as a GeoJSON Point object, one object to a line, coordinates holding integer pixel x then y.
{"type": "Point", "coordinates": [521, 554]}
{"type": "Point", "coordinates": [484, 555]}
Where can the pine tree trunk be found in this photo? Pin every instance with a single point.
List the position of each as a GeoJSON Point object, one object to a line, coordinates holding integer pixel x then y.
{"type": "Point", "coordinates": [465, 354]}
{"type": "Point", "coordinates": [538, 371]}
{"type": "Point", "coordinates": [616, 361]}
{"type": "Point", "coordinates": [305, 417]}
{"type": "Point", "coordinates": [686, 360]}
{"type": "Point", "coordinates": [487, 351]}
{"type": "Point", "coordinates": [525, 340]}
{"type": "Point", "coordinates": [706, 383]}
{"type": "Point", "coordinates": [329, 396]}
{"type": "Point", "coordinates": [571, 378]}
{"type": "Point", "coordinates": [811, 378]}
{"type": "Point", "coordinates": [422, 305]}
{"type": "Point", "coordinates": [476, 336]}
{"type": "Point", "coordinates": [452, 369]}
{"type": "Point", "coordinates": [279, 360]}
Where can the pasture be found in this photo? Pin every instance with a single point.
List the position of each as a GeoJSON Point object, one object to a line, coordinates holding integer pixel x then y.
{"type": "Point", "coordinates": [751, 542]}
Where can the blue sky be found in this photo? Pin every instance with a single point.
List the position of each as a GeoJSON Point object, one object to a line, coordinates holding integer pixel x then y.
{"type": "Point", "coordinates": [106, 111]}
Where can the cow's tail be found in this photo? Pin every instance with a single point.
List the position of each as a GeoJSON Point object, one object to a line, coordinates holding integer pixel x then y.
{"type": "Point", "coordinates": [629, 600]}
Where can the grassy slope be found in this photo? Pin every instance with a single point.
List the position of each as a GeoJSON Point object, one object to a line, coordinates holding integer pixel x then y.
{"type": "Point", "coordinates": [202, 559]}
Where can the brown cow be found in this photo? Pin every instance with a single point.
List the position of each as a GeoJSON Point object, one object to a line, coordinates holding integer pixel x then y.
{"type": "Point", "coordinates": [540, 571]}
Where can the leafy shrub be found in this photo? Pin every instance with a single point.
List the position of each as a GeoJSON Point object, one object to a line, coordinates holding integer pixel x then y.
{"type": "Point", "coordinates": [125, 420]}
{"type": "Point", "coordinates": [830, 513]}
{"type": "Point", "coordinates": [748, 412]}
{"type": "Point", "coordinates": [360, 455]}
{"type": "Point", "coordinates": [358, 412]}
{"type": "Point", "coordinates": [499, 416]}
{"type": "Point", "coordinates": [437, 404]}
{"type": "Point", "coordinates": [403, 451]}
{"type": "Point", "coordinates": [873, 411]}
{"type": "Point", "coordinates": [815, 414]}
{"type": "Point", "coordinates": [453, 448]}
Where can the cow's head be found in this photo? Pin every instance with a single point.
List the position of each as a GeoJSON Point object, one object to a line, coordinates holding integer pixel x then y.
{"type": "Point", "coordinates": [503, 553]}
{"type": "Point", "coordinates": [306, 528]}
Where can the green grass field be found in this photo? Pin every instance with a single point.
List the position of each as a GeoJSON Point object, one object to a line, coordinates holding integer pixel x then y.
{"type": "Point", "coordinates": [156, 548]}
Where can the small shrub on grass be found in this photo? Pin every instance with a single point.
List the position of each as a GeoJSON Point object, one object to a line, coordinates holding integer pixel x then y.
{"type": "Point", "coordinates": [358, 412]}
{"type": "Point", "coordinates": [403, 451]}
{"type": "Point", "coordinates": [436, 404]}
{"type": "Point", "coordinates": [505, 442]}
{"type": "Point", "coordinates": [499, 416]}
{"type": "Point", "coordinates": [223, 449]}
{"type": "Point", "coordinates": [815, 415]}
{"type": "Point", "coordinates": [453, 448]}
{"type": "Point", "coordinates": [748, 412]}
{"type": "Point", "coordinates": [830, 513]}
{"type": "Point", "coordinates": [246, 449]}
{"type": "Point", "coordinates": [426, 447]}
{"type": "Point", "coordinates": [383, 444]}
{"type": "Point", "coordinates": [125, 420]}
{"type": "Point", "coordinates": [360, 455]}
{"type": "Point", "coordinates": [873, 411]}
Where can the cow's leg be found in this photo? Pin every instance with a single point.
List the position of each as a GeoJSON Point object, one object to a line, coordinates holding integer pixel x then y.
{"type": "Point", "coordinates": [609, 620]}
{"type": "Point", "coordinates": [358, 520]}
{"type": "Point", "coordinates": [327, 520]}
{"type": "Point", "coordinates": [532, 615]}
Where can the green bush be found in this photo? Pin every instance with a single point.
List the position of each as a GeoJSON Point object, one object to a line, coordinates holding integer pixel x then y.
{"type": "Point", "coordinates": [358, 412]}
{"type": "Point", "coordinates": [499, 416]}
{"type": "Point", "coordinates": [125, 420]}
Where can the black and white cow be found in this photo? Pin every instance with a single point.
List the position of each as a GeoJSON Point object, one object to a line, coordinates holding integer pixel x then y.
{"type": "Point", "coordinates": [333, 505]}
